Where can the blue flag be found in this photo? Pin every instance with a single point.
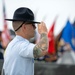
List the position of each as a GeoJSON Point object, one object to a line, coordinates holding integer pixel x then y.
{"type": "Point", "coordinates": [68, 34]}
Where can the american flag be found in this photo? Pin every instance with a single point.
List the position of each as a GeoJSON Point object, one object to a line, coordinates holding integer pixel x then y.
{"type": "Point", "coordinates": [5, 33]}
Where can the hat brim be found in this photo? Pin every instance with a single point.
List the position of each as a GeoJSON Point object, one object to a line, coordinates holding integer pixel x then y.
{"type": "Point", "coordinates": [30, 21]}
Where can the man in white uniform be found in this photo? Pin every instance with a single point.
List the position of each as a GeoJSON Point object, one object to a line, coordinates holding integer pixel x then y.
{"type": "Point", "coordinates": [20, 53]}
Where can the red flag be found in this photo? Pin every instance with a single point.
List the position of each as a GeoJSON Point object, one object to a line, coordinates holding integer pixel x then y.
{"type": "Point", "coordinates": [5, 34]}
{"type": "Point", "coordinates": [51, 49]}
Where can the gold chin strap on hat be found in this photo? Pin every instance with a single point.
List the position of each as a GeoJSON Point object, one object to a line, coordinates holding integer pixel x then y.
{"type": "Point", "coordinates": [20, 26]}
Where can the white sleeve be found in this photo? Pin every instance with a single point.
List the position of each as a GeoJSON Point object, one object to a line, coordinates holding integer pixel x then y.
{"type": "Point", "coordinates": [27, 50]}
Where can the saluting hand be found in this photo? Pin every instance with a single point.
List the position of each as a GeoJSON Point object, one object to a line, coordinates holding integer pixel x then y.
{"type": "Point", "coordinates": [42, 28]}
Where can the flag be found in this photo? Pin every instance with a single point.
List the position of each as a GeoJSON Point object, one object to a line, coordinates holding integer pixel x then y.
{"type": "Point", "coordinates": [68, 34]}
{"type": "Point", "coordinates": [5, 33]}
{"type": "Point", "coordinates": [57, 40]}
{"type": "Point", "coordinates": [51, 48]}
{"type": "Point", "coordinates": [51, 55]}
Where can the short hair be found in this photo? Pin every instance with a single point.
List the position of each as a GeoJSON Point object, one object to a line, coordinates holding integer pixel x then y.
{"type": "Point", "coordinates": [16, 24]}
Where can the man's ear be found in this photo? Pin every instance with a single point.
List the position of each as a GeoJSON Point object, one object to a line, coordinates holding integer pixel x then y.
{"type": "Point", "coordinates": [24, 26]}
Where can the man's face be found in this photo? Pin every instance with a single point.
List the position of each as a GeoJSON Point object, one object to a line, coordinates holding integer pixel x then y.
{"type": "Point", "coordinates": [30, 30]}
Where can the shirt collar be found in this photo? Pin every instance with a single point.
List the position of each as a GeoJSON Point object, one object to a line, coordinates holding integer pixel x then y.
{"type": "Point", "coordinates": [21, 38]}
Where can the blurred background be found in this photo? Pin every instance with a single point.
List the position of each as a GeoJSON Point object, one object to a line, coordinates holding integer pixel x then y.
{"type": "Point", "coordinates": [59, 16]}
{"type": "Point", "coordinates": [45, 10]}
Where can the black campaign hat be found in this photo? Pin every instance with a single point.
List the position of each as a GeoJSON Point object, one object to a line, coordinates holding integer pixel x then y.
{"type": "Point", "coordinates": [23, 14]}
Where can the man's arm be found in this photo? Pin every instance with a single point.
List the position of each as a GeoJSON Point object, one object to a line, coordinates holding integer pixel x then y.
{"type": "Point", "coordinates": [41, 48]}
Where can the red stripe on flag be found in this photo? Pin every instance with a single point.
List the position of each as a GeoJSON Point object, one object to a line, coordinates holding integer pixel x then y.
{"type": "Point", "coordinates": [51, 49]}
{"type": "Point", "coordinates": [5, 33]}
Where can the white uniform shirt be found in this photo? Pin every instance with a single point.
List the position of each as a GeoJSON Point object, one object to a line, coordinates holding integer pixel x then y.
{"type": "Point", "coordinates": [18, 58]}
